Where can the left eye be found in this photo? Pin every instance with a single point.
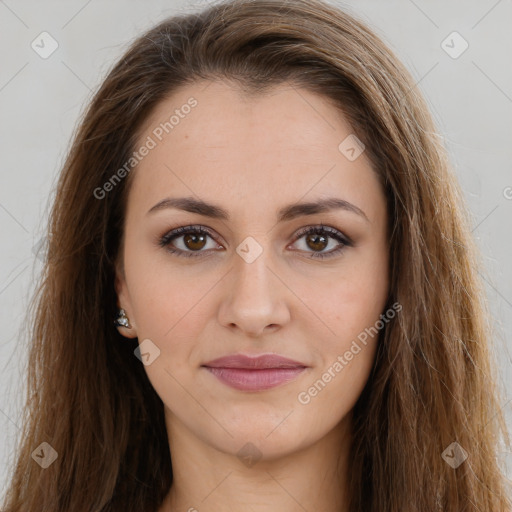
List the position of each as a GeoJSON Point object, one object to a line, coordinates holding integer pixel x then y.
{"type": "Point", "coordinates": [194, 240]}
{"type": "Point", "coordinates": [318, 237]}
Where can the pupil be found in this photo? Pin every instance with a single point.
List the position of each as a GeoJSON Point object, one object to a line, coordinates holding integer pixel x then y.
{"type": "Point", "coordinates": [193, 239]}
{"type": "Point", "coordinates": [314, 238]}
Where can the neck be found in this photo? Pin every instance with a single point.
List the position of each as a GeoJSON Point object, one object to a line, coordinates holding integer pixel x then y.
{"type": "Point", "coordinates": [206, 479]}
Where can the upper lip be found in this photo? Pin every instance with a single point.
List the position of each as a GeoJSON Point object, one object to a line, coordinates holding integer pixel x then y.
{"type": "Point", "coordinates": [254, 362]}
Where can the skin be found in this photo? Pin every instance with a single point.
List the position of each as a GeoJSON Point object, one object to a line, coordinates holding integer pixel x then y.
{"type": "Point", "coordinates": [252, 156]}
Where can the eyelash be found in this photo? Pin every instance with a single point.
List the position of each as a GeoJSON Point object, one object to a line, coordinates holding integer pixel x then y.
{"type": "Point", "coordinates": [165, 240]}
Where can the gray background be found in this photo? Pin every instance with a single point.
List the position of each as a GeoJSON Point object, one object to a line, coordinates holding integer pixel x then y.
{"type": "Point", "coordinates": [41, 100]}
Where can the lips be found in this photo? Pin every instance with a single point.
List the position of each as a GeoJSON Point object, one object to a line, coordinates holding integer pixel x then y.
{"type": "Point", "coordinates": [255, 373]}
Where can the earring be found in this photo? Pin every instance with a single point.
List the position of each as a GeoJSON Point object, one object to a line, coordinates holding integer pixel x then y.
{"type": "Point", "coordinates": [122, 320]}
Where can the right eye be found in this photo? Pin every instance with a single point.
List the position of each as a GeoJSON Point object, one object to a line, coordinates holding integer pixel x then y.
{"type": "Point", "coordinates": [193, 241]}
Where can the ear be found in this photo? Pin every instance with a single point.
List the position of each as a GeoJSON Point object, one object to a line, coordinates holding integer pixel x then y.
{"type": "Point", "coordinates": [124, 301]}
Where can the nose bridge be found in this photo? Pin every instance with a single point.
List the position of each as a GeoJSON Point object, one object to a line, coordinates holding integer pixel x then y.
{"type": "Point", "coordinates": [254, 299]}
{"type": "Point", "coordinates": [253, 279]}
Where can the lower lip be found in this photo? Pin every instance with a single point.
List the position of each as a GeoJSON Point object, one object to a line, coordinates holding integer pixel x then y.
{"type": "Point", "coordinates": [255, 380]}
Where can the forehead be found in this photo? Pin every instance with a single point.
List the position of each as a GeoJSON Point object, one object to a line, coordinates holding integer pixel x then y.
{"type": "Point", "coordinates": [286, 115]}
{"type": "Point", "coordinates": [211, 140]}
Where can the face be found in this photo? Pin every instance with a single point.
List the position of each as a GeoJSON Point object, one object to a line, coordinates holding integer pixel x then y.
{"type": "Point", "coordinates": [307, 284]}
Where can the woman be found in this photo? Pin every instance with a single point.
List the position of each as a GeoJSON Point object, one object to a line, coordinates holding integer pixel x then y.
{"type": "Point", "coordinates": [258, 198]}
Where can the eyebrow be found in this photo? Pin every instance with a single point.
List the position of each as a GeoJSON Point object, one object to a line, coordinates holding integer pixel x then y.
{"type": "Point", "coordinates": [287, 213]}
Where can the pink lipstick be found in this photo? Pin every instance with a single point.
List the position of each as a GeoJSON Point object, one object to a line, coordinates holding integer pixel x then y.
{"type": "Point", "coordinates": [255, 373]}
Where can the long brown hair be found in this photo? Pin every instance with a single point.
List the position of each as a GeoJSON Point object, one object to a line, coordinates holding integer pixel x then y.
{"type": "Point", "coordinates": [433, 382]}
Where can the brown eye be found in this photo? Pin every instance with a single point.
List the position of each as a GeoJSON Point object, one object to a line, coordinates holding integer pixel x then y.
{"type": "Point", "coordinates": [193, 239]}
{"type": "Point", "coordinates": [317, 239]}
{"type": "Point", "coordinates": [317, 242]}
{"type": "Point", "coordinates": [194, 242]}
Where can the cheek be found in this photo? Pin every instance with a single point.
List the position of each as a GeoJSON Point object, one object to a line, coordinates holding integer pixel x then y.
{"type": "Point", "coordinates": [166, 298]}
{"type": "Point", "coordinates": [350, 300]}
{"type": "Point", "coordinates": [350, 310]}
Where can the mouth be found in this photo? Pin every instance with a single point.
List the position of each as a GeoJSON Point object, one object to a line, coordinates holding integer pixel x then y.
{"type": "Point", "coordinates": [259, 373]}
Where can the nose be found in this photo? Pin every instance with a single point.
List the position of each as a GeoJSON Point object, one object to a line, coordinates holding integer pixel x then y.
{"type": "Point", "coordinates": [254, 300]}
